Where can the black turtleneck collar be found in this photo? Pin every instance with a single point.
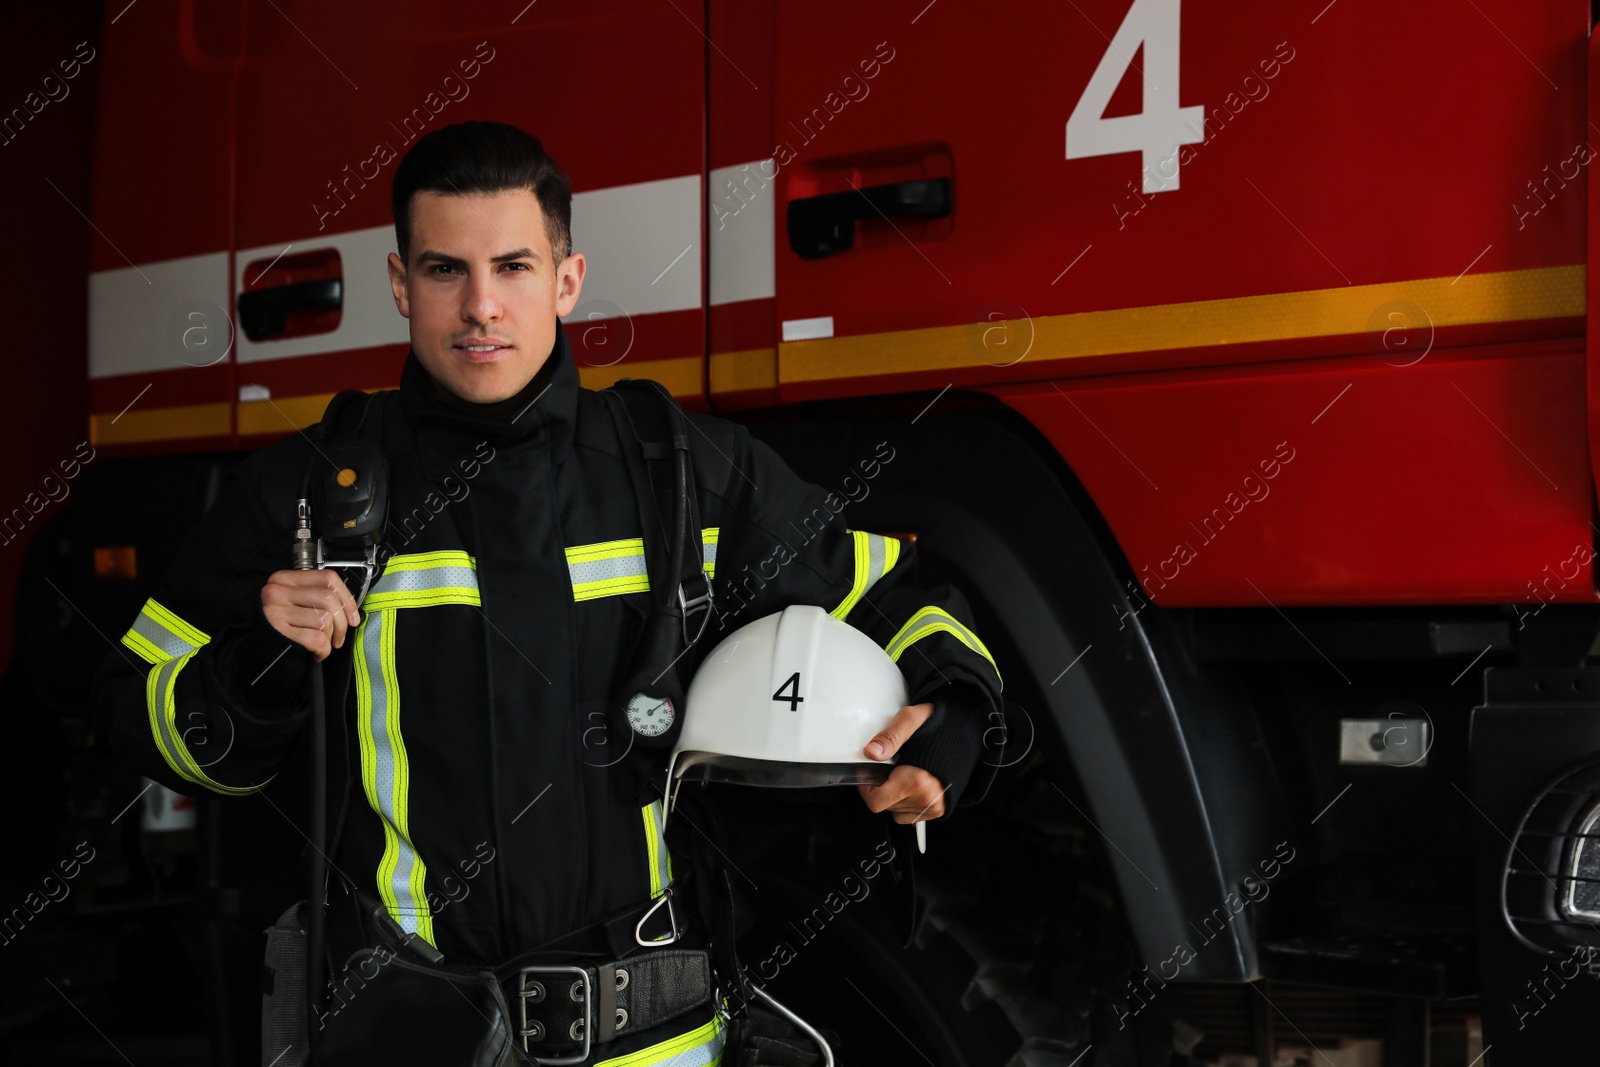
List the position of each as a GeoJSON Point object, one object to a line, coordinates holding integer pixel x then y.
{"type": "Point", "coordinates": [541, 414]}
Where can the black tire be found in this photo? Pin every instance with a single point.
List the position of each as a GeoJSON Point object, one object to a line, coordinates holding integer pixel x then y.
{"type": "Point", "coordinates": [1017, 957]}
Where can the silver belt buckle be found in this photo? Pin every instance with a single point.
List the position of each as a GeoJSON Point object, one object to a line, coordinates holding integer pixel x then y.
{"type": "Point", "coordinates": [534, 991]}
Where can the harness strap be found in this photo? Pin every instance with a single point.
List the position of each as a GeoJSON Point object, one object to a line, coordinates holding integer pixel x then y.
{"type": "Point", "coordinates": [612, 936]}
{"type": "Point", "coordinates": [657, 538]}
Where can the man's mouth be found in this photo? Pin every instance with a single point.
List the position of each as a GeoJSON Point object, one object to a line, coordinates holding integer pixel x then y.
{"type": "Point", "coordinates": [482, 350]}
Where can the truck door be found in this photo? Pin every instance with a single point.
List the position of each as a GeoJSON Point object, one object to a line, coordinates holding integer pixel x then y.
{"type": "Point", "coordinates": [960, 184]}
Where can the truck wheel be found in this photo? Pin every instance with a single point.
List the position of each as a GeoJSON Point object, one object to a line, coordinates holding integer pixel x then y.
{"type": "Point", "coordinates": [1018, 961]}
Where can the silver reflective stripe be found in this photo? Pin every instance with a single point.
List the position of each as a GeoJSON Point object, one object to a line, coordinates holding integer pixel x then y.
{"type": "Point", "coordinates": [410, 580]}
{"type": "Point", "coordinates": [601, 570]}
{"type": "Point", "coordinates": [875, 556]}
{"type": "Point", "coordinates": [425, 579]}
{"type": "Point", "coordinates": [697, 1048]}
{"type": "Point", "coordinates": [159, 634]}
{"type": "Point", "coordinates": [609, 568]}
{"type": "Point", "coordinates": [708, 543]}
{"type": "Point", "coordinates": [386, 773]}
{"type": "Point", "coordinates": [931, 620]}
{"type": "Point", "coordinates": [700, 1055]}
{"type": "Point", "coordinates": [612, 568]}
{"type": "Point", "coordinates": [162, 705]}
{"type": "Point", "coordinates": [170, 644]}
{"type": "Point", "coordinates": [656, 844]}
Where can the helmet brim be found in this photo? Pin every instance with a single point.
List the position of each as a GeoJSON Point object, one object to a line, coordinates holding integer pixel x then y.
{"type": "Point", "coordinates": [780, 774]}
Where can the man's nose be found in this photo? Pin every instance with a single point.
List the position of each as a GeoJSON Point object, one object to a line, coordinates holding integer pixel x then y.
{"type": "Point", "coordinates": [479, 302]}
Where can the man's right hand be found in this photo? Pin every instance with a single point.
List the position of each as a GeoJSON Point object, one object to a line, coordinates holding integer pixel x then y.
{"type": "Point", "coordinates": [311, 608]}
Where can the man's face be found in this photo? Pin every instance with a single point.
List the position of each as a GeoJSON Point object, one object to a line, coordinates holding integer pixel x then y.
{"type": "Point", "coordinates": [481, 274]}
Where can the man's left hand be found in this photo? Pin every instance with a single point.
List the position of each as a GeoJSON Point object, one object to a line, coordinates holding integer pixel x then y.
{"type": "Point", "coordinates": [910, 793]}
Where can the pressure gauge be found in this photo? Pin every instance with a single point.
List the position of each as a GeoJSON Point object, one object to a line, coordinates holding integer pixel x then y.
{"type": "Point", "coordinates": [650, 716]}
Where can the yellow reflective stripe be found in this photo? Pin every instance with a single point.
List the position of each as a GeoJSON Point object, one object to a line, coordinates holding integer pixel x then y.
{"type": "Point", "coordinates": [142, 645]}
{"type": "Point", "coordinates": [700, 1047]}
{"type": "Point", "coordinates": [612, 568]}
{"type": "Point", "coordinates": [169, 711]}
{"type": "Point", "coordinates": [159, 635]}
{"type": "Point", "coordinates": [155, 703]}
{"type": "Point", "coordinates": [430, 598]}
{"type": "Point", "coordinates": [652, 848]}
{"type": "Point", "coordinates": [628, 546]}
{"type": "Point", "coordinates": [166, 617]}
{"type": "Point", "coordinates": [875, 557]}
{"type": "Point", "coordinates": [386, 773]}
{"type": "Point", "coordinates": [932, 620]}
{"type": "Point", "coordinates": [402, 786]}
{"type": "Point", "coordinates": [622, 583]}
{"type": "Point", "coordinates": [425, 579]}
{"type": "Point", "coordinates": [168, 643]}
{"type": "Point", "coordinates": [709, 536]}
{"type": "Point", "coordinates": [609, 568]}
{"type": "Point", "coordinates": [656, 845]}
{"type": "Point", "coordinates": [421, 561]}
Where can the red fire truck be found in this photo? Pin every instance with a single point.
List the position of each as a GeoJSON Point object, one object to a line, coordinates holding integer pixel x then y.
{"type": "Point", "coordinates": [1232, 358]}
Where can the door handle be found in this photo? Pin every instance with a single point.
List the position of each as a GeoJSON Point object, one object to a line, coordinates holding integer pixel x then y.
{"type": "Point", "coordinates": [264, 313]}
{"type": "Point", "coordinates": [820, 226]}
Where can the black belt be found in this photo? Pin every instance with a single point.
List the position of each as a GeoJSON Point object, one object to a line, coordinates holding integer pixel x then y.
{"type": "Point", "coordinates": [560, 1007]}
{"type": "Point", "coordinates": [591, 985]}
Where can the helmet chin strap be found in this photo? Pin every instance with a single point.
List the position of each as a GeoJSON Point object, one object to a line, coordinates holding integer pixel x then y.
{"type": "Point", "coordinates": [673, 785]}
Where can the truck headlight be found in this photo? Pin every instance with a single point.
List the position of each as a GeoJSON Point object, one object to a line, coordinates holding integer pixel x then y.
{"type": "Point", "coordinates": [1581, 899]}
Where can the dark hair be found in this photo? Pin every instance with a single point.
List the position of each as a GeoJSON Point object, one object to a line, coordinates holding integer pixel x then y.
{"type": "Point", "coordinates": [483, 157]}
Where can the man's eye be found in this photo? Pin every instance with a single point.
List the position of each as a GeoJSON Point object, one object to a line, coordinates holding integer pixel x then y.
{"type": "Point", "coordinates": [436, 268]}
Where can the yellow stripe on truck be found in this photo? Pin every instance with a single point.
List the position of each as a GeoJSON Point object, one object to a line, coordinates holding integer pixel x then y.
{"type": "Point", "coordinates": [1471, 299]}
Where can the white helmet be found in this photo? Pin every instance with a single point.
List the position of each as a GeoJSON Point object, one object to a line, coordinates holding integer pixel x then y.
{"type": "Point", "coordinates": [789, 700]}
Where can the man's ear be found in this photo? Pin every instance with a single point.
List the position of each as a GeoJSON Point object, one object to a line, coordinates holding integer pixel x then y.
{"type": "Point", "coordinates": [569, 283]}
{"type": "Point", "coordinates": [399, 284]}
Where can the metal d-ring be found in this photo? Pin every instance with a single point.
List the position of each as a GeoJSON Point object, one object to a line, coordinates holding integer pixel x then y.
{"type": "Point", "coordinates": [672, 917]}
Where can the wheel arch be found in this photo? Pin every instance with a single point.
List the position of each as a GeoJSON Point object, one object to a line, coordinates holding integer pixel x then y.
{"type": "Point", "coordinates": [1169, 758]}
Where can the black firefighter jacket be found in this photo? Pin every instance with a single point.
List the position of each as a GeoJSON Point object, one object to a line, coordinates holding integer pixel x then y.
{"type": "Point", "coordinates": [487, 645]}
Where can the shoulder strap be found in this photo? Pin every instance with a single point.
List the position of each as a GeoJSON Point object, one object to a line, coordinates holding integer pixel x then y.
{"type": "Point", "coordinates": [346, 418]}
{"type": "Point", "coordinates": [345, 413]}
{"type": "Point", "coordinates": [654, 436]}
{"type": "Point", "coordinates": [639, 449]}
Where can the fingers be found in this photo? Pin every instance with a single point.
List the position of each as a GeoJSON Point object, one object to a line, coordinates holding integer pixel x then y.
{"type": "Point", "coordinates": [308, 627]}
{"type": "Point", "coordinates": [314, 609]}
{"type": "Point", "coordinates": [347, 601]}
{"type": "Point", "coordinates": [911, 794]}
{"type": "Point", "coordinates": [312, 639]}
{"type": "Point", "coordinates": [886, 742]}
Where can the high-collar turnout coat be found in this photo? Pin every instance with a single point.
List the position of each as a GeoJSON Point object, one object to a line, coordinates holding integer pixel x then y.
{"type": "Point", "coordinates": [498, 627]}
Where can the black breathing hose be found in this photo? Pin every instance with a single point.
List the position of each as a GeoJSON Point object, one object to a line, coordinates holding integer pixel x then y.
{"type": "Point", "coordinates": [305, 558]}
{"type": "Point", "coordinates": [319, 861]}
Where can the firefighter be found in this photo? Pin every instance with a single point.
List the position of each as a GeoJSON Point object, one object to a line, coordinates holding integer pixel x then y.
{"type": "Point", "coordinates": [480, 660]}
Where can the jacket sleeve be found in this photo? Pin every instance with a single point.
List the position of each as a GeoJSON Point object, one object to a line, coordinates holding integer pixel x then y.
{"type": "Point", "coordinates": [201, 691]}
{"type": "Point", "coordinates": [785, 541]}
